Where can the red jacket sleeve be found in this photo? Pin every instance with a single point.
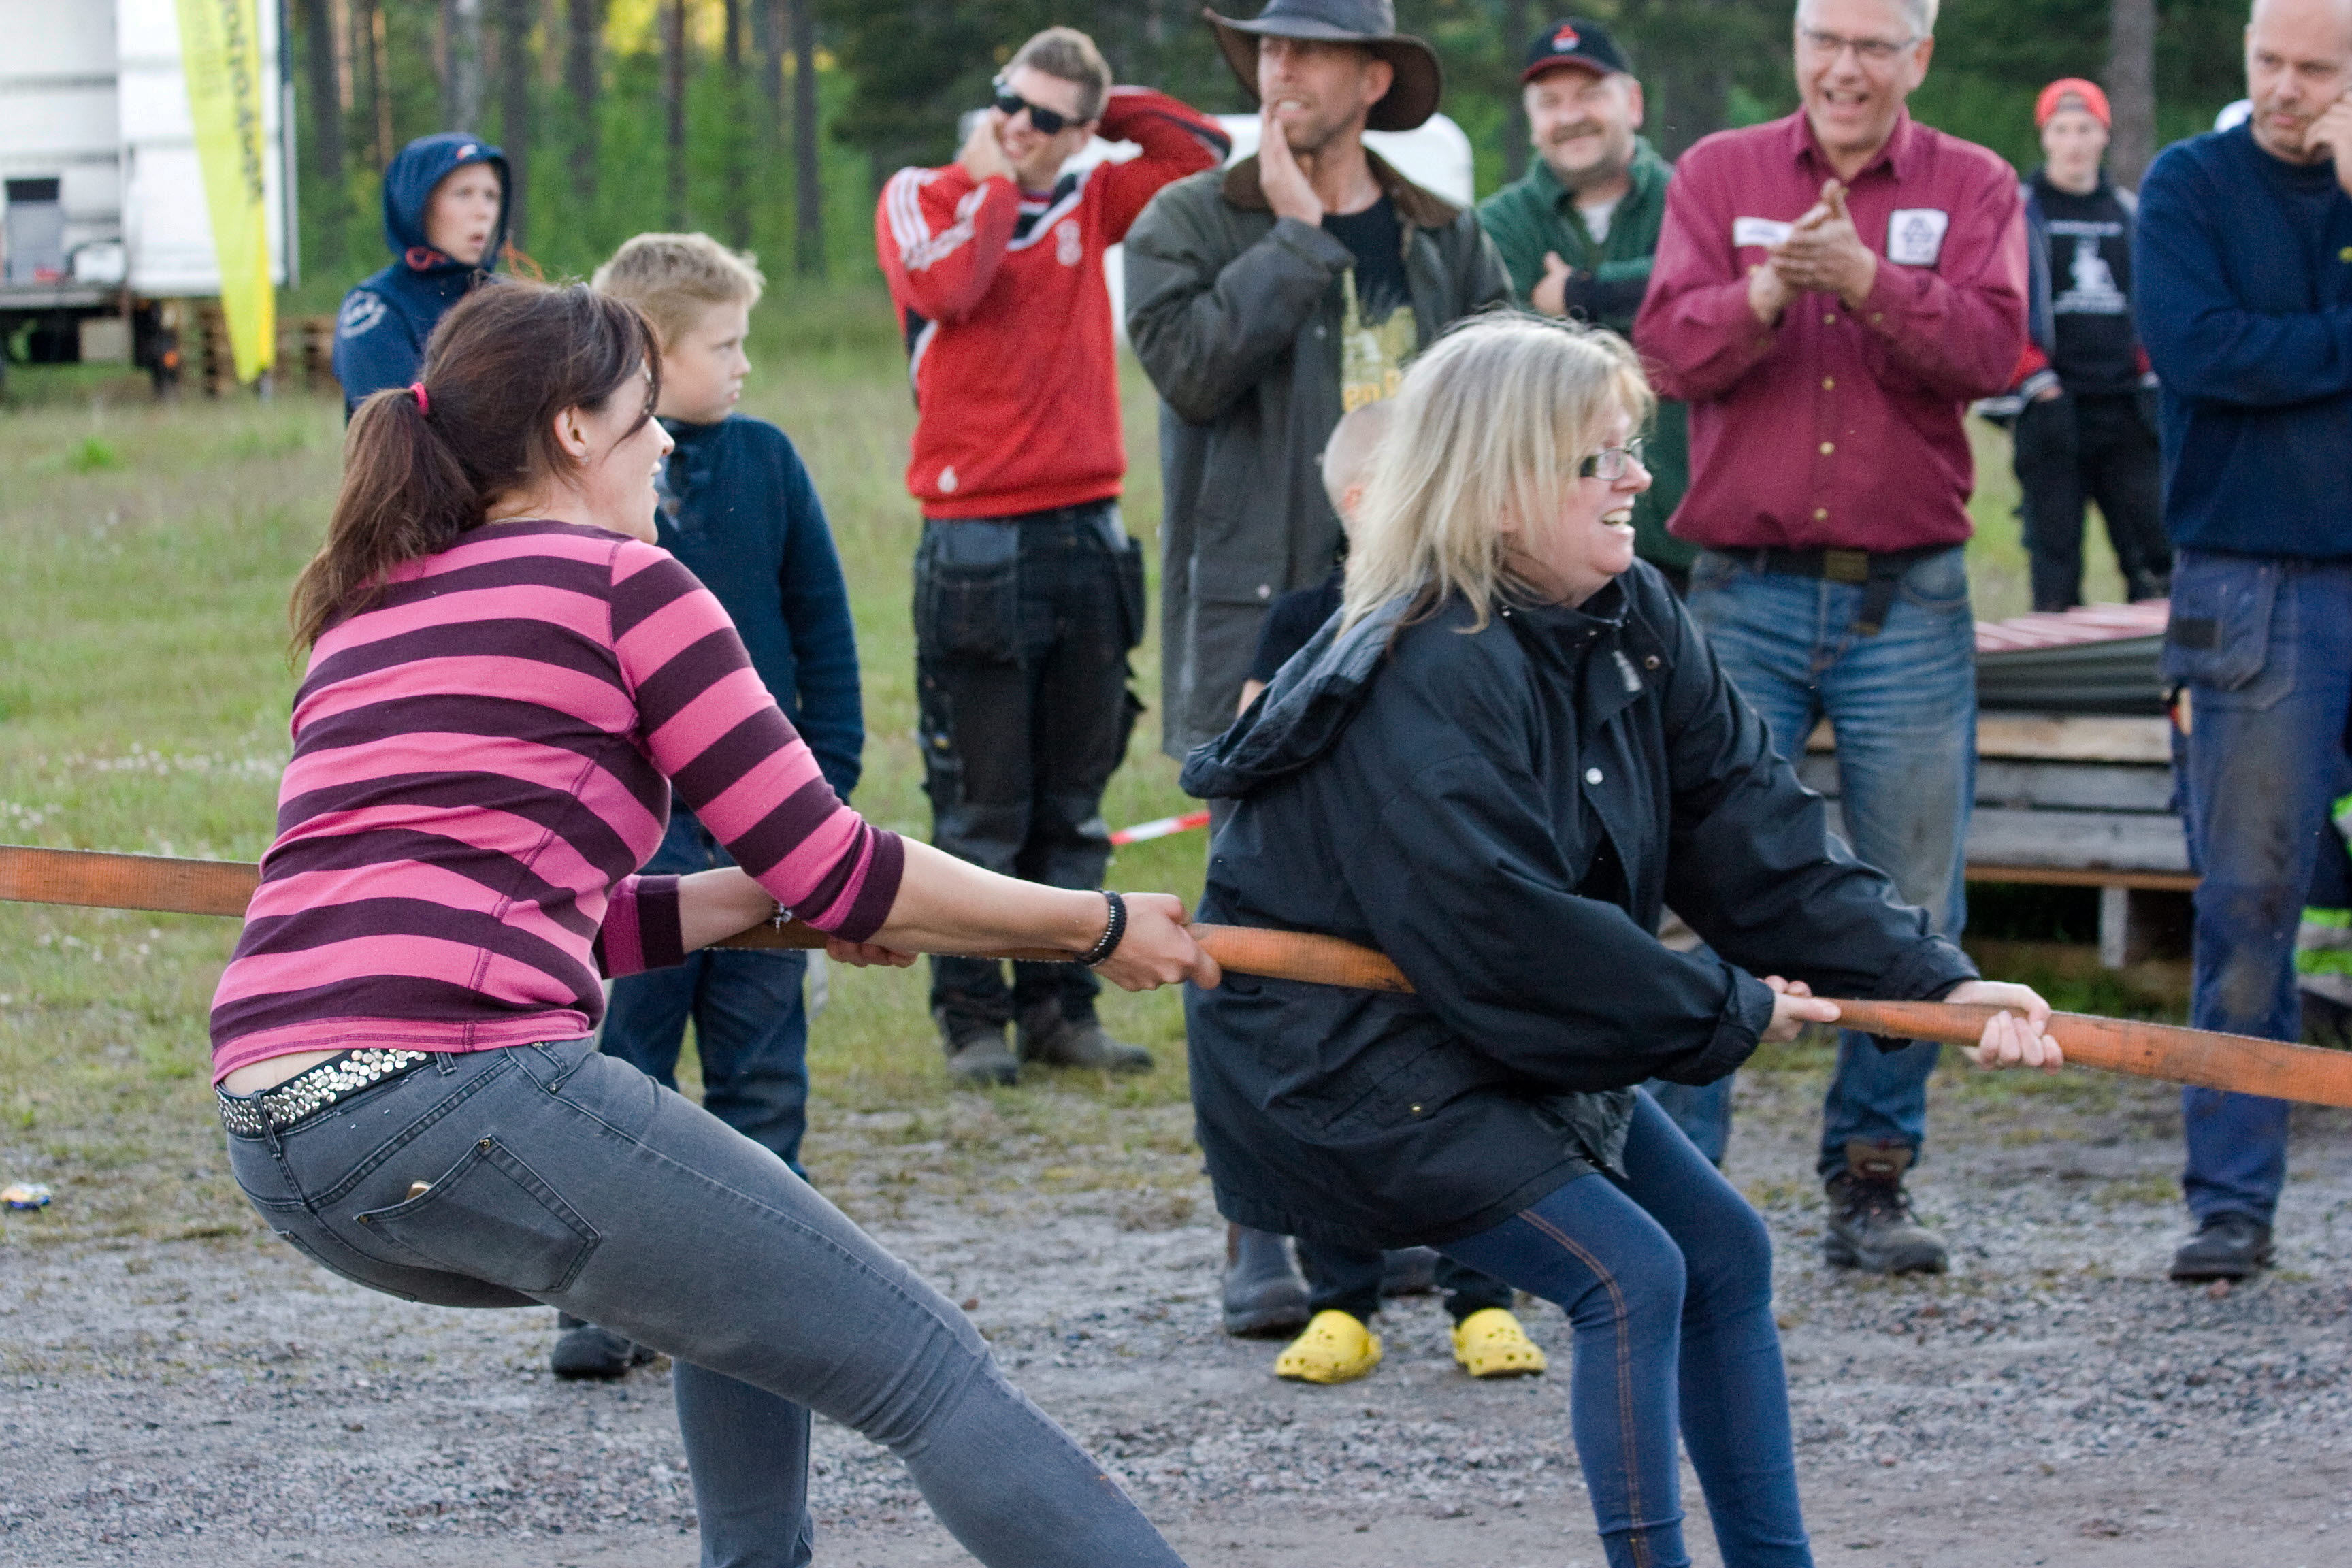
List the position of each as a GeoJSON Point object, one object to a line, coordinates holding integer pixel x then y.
{"type": "Point", "coordinates": [1958, 327]}
{"type": "Point", "coordinates": [1695, 328]}
{"type": "Point", "coordinates": [941, 237]}
{"type": "Point", "coordinates": [1177, 140]}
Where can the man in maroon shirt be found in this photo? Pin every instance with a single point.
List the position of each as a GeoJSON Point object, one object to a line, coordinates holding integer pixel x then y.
{"type": "Point", "coordinates": [1831, 292]}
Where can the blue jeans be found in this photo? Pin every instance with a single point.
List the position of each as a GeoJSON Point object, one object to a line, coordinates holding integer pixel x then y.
{"type": "Point", "coordinates": [555, 1174]}
{"type": "Point", "coordinates": [1667, 1277]}
{"type": "Point", "coordinates": [1904, 704]}
{"type": "Point", "coordinates": [750, 1025]}
{"type": "Point", "coordinates": [2264, 647]}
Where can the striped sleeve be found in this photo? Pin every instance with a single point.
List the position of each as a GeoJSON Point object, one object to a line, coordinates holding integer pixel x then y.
{"type": "Point", "coordinates": [732, 756]}
{"type": "Point", "coordinates": [939, 237]}
{"type": "Point", "coordinates": [641, 929]}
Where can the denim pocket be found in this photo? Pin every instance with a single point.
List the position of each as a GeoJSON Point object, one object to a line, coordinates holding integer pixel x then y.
{"type": "Point", "coordinates": [1940, 583]}
{"type": "Point", "coordinates": [492, 1218]}
{"type": "Point", "coordinates": [2218, 634]}
{"type": "Point", "coordinates": [967, 592]}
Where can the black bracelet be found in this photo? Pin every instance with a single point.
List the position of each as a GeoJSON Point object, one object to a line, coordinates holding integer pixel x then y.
{"type": "Point", "coordinates": [1109, 943]}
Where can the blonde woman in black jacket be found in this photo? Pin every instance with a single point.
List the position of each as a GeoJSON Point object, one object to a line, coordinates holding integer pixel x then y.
{"type": "Point", "coordinates": [1497, 763]}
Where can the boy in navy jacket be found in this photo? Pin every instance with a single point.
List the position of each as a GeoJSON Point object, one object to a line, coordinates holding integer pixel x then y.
{"type": "Point", "coordinates": [2244, 265]}
{"type": "Point", "coordinates": [738, 510]}
{"type": "Point", "coordinates": [444, 219]}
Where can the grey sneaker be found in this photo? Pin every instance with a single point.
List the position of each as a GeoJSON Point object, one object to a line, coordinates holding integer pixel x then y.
{"type": "Point", "coordinates": [1047, 1036]}
{"type": "Point", "coordinates": [1869, 1223]}
{"type": "Point", "coordinates": [585, 1351]}
{"type": "Point", "coordinates": [977, 1055]}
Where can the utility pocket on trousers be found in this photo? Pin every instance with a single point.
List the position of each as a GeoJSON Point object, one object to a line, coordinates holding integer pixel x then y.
{"type": "Point", "coordinates": [2218, 638]}
{"type": "Point", "coordinates": [491, 1217]}
{"type": "Point", "coordinates": [968, 590]}
{"type": "Point", "coordinates": [1127, 560]}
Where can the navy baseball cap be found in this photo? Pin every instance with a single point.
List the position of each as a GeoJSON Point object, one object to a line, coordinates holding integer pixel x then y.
{"type": "Point", "coordinates": [1574, 42]}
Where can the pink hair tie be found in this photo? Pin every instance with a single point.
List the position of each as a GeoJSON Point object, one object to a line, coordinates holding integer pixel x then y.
{"type": "Point", "coordinates": [424, 405]}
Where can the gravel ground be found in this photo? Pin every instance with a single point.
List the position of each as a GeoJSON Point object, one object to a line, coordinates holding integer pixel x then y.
{"type": "Point", "coordinates": [2054, 1400]}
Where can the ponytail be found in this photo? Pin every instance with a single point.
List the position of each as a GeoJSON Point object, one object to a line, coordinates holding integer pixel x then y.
{"type": "Point", "coordinates": [422, 463]}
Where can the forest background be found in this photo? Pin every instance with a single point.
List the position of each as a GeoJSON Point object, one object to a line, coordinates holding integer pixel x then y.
{"type": "Point", "coordinates": [772, 123]}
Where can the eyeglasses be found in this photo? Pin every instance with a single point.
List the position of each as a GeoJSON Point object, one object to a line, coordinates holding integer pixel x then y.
{"type": "Point", "coordinates": [1611, 463]}
{"type": "Point", "coordinates": [1869, 51]}
{"type": "Point", "coordinates": [1045, 122]}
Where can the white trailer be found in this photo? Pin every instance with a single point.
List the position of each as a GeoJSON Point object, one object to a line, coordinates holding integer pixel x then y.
{"type": "Point", "coordinates": [105, 228]}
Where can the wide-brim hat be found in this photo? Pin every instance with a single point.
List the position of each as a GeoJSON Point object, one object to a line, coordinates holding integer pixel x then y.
{"type": "Point", "coordinates": [1420, 82]}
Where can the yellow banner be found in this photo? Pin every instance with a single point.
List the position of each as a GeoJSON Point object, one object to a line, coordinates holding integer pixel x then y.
{"type": "Point", "coordinates": [220, 50]}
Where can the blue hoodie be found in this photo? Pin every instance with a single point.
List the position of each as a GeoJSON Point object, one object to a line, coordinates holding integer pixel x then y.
{"type": "Point", "coordinates": [2242, 290]}
{"type": "Point", "coordinates": [380, 330]}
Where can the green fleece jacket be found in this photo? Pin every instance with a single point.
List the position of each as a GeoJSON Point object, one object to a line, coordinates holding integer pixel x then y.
{"type": "Point", "coordinates": [1536, 214]}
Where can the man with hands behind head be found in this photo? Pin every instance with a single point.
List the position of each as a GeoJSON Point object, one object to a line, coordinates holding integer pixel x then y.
{"type": "Point", "coordinates": [1028, 593]}
{"type": "Point", "coordinates": [2243, 268]}
{"type": "Point", "coordinates": [1832, 290]}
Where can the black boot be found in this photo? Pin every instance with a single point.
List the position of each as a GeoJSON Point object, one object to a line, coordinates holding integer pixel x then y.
{"type": "Point", "coordinates": [585, 1351]}
{"type": "Point", "coordinates": [976, 1054]}
{"type": "Point", "coordinates": [1409, 1271]}
{"type": "Point", "coordinates": [1264, 1293]}
{"type": "Point", "coordinates": [2226, 1246]}
{"type": "Point", "coordinates": [1870, 1223]}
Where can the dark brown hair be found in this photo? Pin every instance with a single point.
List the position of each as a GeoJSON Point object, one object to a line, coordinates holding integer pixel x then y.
{"type": "Point", "coordinates": [501, 366]}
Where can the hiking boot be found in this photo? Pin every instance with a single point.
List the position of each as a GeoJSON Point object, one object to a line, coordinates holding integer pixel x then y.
{"type": "Point", "coordinates": [1869, 1223]}
{"type": "Point", "coordinates": [1264, 1291]}
{"type": "Point", "coordinates": [2226, 1246]}
{"type": "Point", "coordinates": [585, 1351]}
{"type": "Point", "coordinates": [1409, 1271]}
{"type": "Point", "coordinates": [1048, 1036]}
{"type": "Point", "coordinates": [977, 1055]}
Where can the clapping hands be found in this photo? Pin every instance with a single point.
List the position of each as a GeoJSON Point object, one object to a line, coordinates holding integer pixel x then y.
{"type": "Point", "coordinates": [1822, 254]}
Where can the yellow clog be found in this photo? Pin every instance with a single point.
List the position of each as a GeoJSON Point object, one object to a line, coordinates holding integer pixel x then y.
{"type": "Point", "coordinates": [1490, 1343]}
{"type": "Point", "coordinates": [1334, 1348]}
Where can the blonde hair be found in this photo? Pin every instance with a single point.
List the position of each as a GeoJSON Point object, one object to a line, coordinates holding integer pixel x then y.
{"type": "Point", "coordinates": [1347, 455]}
{"type": "Point", "coordinates": [674, 278]}
{"type": "Point", "coordinates": [1490, 425]}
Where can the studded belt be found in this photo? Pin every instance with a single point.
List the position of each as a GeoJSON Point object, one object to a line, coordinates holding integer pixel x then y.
{"type": "Point", "coordinates": [313, 1089]}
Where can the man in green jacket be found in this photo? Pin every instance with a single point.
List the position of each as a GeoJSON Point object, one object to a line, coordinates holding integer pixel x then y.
{"type": "Point", "coordinates": [1579, 229]}
{"type": "Point", "coordinates": [1266, 300]}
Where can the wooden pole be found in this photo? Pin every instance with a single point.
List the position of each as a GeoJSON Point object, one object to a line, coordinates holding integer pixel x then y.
{"type": "Point", "coordinates": [2235, 1062]}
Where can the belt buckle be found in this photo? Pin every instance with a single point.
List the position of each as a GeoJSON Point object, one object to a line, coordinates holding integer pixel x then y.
{"type": "Point", "coordinates": [1846, 565]}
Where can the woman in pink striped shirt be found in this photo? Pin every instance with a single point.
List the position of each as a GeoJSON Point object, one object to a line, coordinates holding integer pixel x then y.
{"type": "Point", "coordinates": [506, 682]}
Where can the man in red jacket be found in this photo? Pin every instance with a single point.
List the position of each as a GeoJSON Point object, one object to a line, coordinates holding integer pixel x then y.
{"type": "Point", "coordinates": [1028, 593]}
{"type": "Point", "coordinates": [1831, 292]}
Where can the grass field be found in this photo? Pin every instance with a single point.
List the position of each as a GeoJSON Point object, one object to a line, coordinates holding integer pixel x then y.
{"type": "Point", "coordinates": [146, 550]}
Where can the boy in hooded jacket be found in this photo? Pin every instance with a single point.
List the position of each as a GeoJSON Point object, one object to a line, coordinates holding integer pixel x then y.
{"type": "Point", "coordinates": [445, 221]}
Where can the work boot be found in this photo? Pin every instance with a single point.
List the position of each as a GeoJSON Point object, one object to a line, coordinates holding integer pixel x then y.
{"type": "Point", "coordinates": [1264, 1291]}
{"type": "Point", "coordinates": [585, 1351]}
{"type": "Point", "coordinates": [1869, 1223]}
{"type": "Point", "coordinates": [2226, 1246]}
{"type": "Point", "coordinates": [1409, 1271]}
{"type": "Point", "coordinates": [1048, 1035]}
{"type": "Point", "coordinates": [977, 1055]}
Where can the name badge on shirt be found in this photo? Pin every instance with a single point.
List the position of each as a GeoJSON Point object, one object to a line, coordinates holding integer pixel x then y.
{"type": "Point", "coordinates": [1767, 232]}
{"type": "Point", "coordinates": [1914, 235]}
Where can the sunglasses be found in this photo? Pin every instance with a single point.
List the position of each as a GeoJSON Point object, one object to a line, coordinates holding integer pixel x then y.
{"type": "Point", "coordinates": [1045, 122]}
{"type": "Point", "coordinates": [1611, 463]}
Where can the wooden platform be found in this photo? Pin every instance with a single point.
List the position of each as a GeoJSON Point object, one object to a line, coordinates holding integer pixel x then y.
{"type": "Point", "coordinates": [2069, 801]}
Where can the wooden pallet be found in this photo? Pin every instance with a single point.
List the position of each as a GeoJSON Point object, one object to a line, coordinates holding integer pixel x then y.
{"type": "Point", "coordinates": [2067, 801]}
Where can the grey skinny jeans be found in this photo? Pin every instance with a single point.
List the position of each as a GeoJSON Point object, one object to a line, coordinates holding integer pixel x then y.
{"type": "Point", "coordinates": [559, 1175]}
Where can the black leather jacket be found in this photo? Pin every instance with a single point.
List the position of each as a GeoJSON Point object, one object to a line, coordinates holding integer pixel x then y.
{"type": "Point", "coordinates": [1505, 812]}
